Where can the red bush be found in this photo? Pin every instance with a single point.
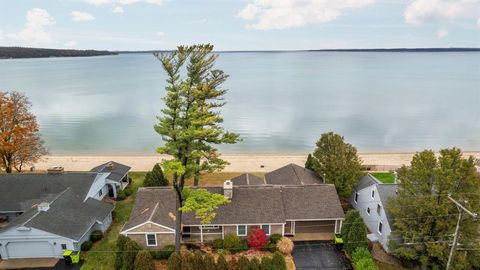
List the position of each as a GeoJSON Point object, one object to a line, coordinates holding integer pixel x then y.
{"type": "Point", "coordinates": [256, 238]}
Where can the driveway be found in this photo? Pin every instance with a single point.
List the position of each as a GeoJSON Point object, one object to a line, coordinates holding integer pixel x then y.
{"type": "Point", "coordinates": [38, 264]}
{"type": "Point", "coordinates": [316, 255]}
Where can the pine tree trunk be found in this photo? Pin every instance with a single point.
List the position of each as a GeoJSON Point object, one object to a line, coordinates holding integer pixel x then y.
{"type": "Point", "coordinates": [196, 177]}
{"type": "Point", "coordinates": [178, 223]}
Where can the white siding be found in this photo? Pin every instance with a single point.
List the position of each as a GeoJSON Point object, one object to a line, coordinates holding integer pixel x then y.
{"type": "Point", "coordinates": [35, 236]}
{"type": "Point", "coordinates": [100, 183]}
{"type": "Point", "coordinates": [365, 201]}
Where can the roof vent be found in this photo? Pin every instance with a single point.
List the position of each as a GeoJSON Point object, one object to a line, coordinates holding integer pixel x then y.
{"type": "Point", "coordinates": [55, 170]}
{"type": "Point", "coordinates": [109, 166]}
{"type": "Point", "coordinates": [228, 189]}
{"type": "Point", "coordinates": [43, 207]}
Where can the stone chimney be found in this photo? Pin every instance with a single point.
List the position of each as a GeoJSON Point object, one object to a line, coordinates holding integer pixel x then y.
{"type": "Point", "coordinates": [228, 189]}
{"type": "Point", "coordinates": [43, 207]}
{"type": "Point", "coordinates": [55, 170]}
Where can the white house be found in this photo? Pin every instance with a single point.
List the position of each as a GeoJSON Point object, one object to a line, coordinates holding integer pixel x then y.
{"type": "Point", "coordinates": [41, 215]}
{"type": "Point", "coordinates": [369, 197]}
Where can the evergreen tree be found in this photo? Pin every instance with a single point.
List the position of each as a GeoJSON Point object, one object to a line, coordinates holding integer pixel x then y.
{"type": "Point", "coordinates": [278, 261]}
{"type": "Point", "coordinates": [309, 162]}
{"type": "Point", "coordinates": [354, 232]}
{"type": "Point", "coordinates": [130, 251]}
{"type": "Point", "coordinates": [144, 261]}
{"type": "Point", "coordinates": [424, 215]}
{"type": "Point", "coordinates": [337, 162]}
{"type": "Point", "coordinates": [174, 262]}
{"type": "Point", "coordinates": [121, 241]}
{"type": "Point", "coordinates": [254, 264]}
{"type": "Point", "coordinates": [222, 263]}
{"type": "Point", "coordinates": [155, 177]}
{"type": "Point", "coordinates": [190, 123]}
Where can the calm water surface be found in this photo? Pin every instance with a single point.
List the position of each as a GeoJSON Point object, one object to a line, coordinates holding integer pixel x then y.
{"type": "Point", "coordinates": [278, 102]}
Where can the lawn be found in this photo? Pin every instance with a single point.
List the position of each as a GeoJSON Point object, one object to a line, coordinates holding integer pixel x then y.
{"type": "Point", "coordinates": [102, 254]}
{"type": "Point", "coordinates": [384, 177]}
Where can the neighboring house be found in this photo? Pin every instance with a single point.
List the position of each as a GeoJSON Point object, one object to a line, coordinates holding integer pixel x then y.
{"type": "Point", "coordinates": [42, 215]}
{"type": "Point", "coordinates": [117, 176]}
{"type": "Point", "coordinates": [304, 212]}
{"type": "Point", "coordinates": [370, 197]}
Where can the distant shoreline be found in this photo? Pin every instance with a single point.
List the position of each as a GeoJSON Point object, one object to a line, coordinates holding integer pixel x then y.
{"type": "Point", "coordinates": [248, 162]}
{"type": "Point", "coordinates": [23, 52]}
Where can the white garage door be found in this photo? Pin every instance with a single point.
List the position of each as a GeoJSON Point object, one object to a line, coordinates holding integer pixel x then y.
{"type": "Point", "coordinates": [29, 250]}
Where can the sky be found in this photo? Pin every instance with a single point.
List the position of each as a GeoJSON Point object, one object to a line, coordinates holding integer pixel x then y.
{"type": "Point", "coordinates": [239, 24]}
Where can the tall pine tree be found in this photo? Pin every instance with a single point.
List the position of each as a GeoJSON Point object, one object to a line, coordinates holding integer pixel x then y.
{"type": "Point", "coordinates": [424, 217]}
{"type": "Point", "coordinates": [190, 123]}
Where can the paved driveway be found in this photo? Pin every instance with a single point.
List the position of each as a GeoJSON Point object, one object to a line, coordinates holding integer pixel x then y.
{"type": "Point", "coordinates": [316, 255]}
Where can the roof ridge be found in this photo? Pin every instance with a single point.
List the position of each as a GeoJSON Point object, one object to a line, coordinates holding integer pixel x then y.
{"type": "Point", "coordinates": [295, 172]}
{"type": "Point", "coordinates": [153, 212]}
{"type": "Point", "coordinates": [374, 178]}
{"type": "Point", "coordinates": [38, 212]}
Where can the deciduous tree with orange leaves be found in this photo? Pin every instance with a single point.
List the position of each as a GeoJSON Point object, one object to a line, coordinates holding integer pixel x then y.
{"type": "Point", "coordinates": [20, 142]}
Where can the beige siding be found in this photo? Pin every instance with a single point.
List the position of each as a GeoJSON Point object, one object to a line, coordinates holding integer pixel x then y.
{"type": "Point", "coordinates": [149, 227]}
{"type": "Point", "coordinates": [162, 240]}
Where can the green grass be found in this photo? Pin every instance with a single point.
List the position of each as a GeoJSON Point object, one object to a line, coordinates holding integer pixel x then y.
{"type": "Point", "coordinates": [384, 177]}
{"type": "Point", "coordinates": [102, 254]}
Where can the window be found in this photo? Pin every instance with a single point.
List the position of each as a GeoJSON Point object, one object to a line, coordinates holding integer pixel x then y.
{"type": "Point", "coordinates": [151, 240]}
{"type": "Point", "coordinates": [379, 208]}
{"type": "Point", "coordinates": [241, 230]}
{"type": "Point", "coordinates": [64, 246]}
{"type": "Point", "coordinates": [266, 229]}
{"type": "Point", "coordinates": [356, 197]}
{"type": "Point", "coordinates": [100, 193]}
{"type": "Point", "coordinates": [373, 193]}
{"type": "Point", "coordinates": [368, 210]}
{"type": "Point", "coordinates": [380, 226]}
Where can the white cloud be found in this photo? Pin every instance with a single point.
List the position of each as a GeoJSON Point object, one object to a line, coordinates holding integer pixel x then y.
{"type": "Point", "coordinates": [282, 14]}
{"type": "Point", "coordinates": [442, 32]}
{"type": "Point", "coordinates": [80, 16]}
{"type": "Point", "coordinates": [70, 44]}
{"type": "Point", "coordinates": [34, 31]}
{"type": "Point", "coordinates": [160, 34]}
{"type": "Point", "coordinates": [421, 11]}
{"type": "Point", "coordinates": [118, 9]}
{"type": "Point", "coordinates": [122, 2]}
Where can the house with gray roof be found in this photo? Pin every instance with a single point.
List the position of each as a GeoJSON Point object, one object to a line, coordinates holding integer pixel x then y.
{"type": "Point", "coordinates": [303, 212]}
{"type": "Point", "coordinates": [370, 197]}
{"type": "Point", "coordinates": [43, 214]}
{"type": "Point", "coordinates": [117, 178]}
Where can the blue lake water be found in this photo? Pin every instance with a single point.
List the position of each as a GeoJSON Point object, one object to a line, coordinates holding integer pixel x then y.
{"type": "Point", "coordinates": [278, 102]}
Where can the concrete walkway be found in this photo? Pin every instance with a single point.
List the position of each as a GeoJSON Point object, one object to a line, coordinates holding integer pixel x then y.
{"type": "Point", "coordinates": [28, 263]}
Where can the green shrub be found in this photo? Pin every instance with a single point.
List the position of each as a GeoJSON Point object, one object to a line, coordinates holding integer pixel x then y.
{"type": "Point", "coordinates": [366, 264]}
{"type": "Point", "coordinates": [243, 263]}
{"type": "Point", "coordinates": [209, 262]}
{"type": "Point", "coordinates": [130, 251]}
{"type": "Point", "coordinates": [254, 264]}
{"type": "Point", "coordinates": [144, 261]}
{"type": "Point", "coordinates": [218, 243]}
{"type": "Point", "coordinates": [121, 240]}
{"type": "Point", "coordinates": [360, 253]}
{"type": "Point", "coordinates": [128, 191]}
{"type": "Point", "coordinates": [278, 261]}
{"type": "Point", "coordinates": [86, 246]}
{"type": "Point", "coordinates": [121, 195]}
{"type": "Point", "coordinates": [164, 253]}
{"type": "Point", "coordinates": [174, 262]}
{"type": "Point", "coordinates": [354, 232]}
{"type": "Point", "coordinates": [272, 247]}
{"type": "Point", "coordinates": [233, 263]}
{"type": "Point", "coordinates": [96, 235]}
{"type": "Point", "coordinates": [266, 264]}
{"type": "Point", "coordinates": [198, 262]}
{"type": "Point", "coordinates": [275, 238]}
{"type": "Point", "coordinates": [222, 263]}
{"type": "Point", "coordinates": [233, 243]}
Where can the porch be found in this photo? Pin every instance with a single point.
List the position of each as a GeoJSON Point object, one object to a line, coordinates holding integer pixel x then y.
{"type": "Point", "coordinates": [201, 234]}
{"type": "Point", "coordinates": [306, 230]}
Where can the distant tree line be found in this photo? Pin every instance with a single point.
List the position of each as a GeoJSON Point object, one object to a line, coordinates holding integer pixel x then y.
{"type": "Point", "coordinates": [22, 52]}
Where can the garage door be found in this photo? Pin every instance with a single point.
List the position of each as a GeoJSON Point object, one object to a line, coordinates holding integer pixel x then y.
{"type": "Point", "coordinates": [319, 226]}
{"type": "Point", "coordinates": [29, 249]}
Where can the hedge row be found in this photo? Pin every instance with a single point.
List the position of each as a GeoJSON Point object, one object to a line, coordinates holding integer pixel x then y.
{"type": "Point", "coordinates": [362, 259]}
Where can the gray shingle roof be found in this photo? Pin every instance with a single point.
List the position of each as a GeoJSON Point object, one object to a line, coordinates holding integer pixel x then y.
{"type": "Point", "coordinates": [250, 205]}
{"type": "Point", "coordinates": [386, 191]}
{"type": "Point", "coordinates": [20, 191]}
{"type": "Point", "coordinates": [366, 181]}
{"type": "Point", "coordinates": [117, 171]}
{"type": "Point", "coordinates": [247, 179]}
{"type": "Point", "coordinates": [292, 174]}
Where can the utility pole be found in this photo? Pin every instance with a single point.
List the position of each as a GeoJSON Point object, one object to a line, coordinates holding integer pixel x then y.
{"type": "Point", "coordinates": [460, 208]}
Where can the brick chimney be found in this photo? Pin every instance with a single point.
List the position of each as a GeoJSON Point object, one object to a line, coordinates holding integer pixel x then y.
{"type": "Point", "coordinates": [228, 189]}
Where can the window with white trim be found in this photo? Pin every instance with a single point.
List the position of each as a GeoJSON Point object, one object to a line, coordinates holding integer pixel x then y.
{"type": "Point", "coordinates": [241, 230]}
{"type": "Point", "coordinates": [151, 240]}
{"type": "Point", "coordinates": [266, 228]}
{"type": "Point", "coordinates": [64, 246]}
{"type": "Point", "coordinates": [380, 227]}
{"type": "Point", "coordinates": [356, 197]}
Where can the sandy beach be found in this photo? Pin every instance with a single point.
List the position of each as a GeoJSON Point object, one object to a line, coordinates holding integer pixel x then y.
{"type": "Point", "coordinates": [238, 162]}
